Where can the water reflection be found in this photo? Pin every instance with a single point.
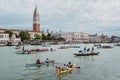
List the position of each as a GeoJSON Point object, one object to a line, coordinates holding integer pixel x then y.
{"type": "Point", "coordinates": [68, 76]}
{"type": "Point", "coordinates": [64, 77]}
{"type": "Point", "coordinates": [102, 67]}
{"type": "Point", "coordinates": [85, 58]}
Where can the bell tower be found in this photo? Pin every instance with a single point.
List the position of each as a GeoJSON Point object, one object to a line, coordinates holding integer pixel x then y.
{"type": "Point", "coordinates": [36, 20]}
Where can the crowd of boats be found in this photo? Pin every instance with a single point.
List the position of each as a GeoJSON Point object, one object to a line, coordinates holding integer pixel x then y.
{"type": "Point", "coordinates": [21, 50]}
{"type": "Point", "coordinates": [65, 68]}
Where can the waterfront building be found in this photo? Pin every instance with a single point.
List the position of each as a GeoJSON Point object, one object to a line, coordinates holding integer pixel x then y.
{"type": "Point", "coordinates": [105, 38]}
{"type": "Point", "coordinates": [66, 36]}
{"type": "Point", "coordinates": [4, 38]}
{"type": "Point", "coordinates": [94, 38]}
{"type": "Point", "coordinates": [76, 37]}
{"type": "Point", "coordinates": [115, 39]}
{"type": "Point", "coordinates": [14, 40]}
{"type": "Point", "coordinates": [80, 37]}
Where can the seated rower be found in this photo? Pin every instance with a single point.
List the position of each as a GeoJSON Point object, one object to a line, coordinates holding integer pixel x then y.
{"type": "Point", "coordinates": [69, 65]}
{"type": "Point", "coordinates": [47, 60]}
{"type": "Point", "coordinates": [38, 61]}
{"type": "Point", "coordinates": [51, 49]}
{"type": "Point", "coordinates": [64, 67]}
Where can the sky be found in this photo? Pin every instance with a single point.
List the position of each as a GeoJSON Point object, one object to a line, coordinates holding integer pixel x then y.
{"type": "Point", "coordinates": [89, 16]}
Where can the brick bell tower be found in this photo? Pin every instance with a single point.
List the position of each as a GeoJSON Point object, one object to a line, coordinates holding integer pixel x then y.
{"type": "Point", "coordinates": [36, 20]}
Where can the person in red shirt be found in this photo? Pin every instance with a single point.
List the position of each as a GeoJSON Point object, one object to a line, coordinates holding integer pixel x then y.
{"type": "Point", "coordinates": [38, 61]}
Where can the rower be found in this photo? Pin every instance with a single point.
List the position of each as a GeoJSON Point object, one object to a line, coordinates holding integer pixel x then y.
{"type": "Point", "coordinates": [23, 49]}
{"type": "Point", "coordinates": [38, 61]}
{"type": "Point", "coordinates": [51, 49]}
{"type": "Point", "coordinates": [69, 65]}
{"type": "Point", "coordinates": [92, 49]}
{"type": "Point", "coordinates": [47, 60]}
{"type": "Point", "coordinates": [84, 49]}
{"type": "Point", "coordinates": [64, 67]}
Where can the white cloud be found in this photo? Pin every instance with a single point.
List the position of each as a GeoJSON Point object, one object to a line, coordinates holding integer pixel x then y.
{"type": "Point", "coordinates": [71, 15]}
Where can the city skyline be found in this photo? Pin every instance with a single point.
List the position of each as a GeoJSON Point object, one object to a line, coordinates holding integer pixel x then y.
{"type": "Point", "coordinates": [91, 16]}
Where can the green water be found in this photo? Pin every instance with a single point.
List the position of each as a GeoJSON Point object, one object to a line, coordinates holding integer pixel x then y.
{"type": "Point", "coordinates": [105, 66]}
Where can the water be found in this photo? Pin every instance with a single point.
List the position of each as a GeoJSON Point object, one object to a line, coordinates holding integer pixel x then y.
{"type": "Point", "coordinates": [105, 66]}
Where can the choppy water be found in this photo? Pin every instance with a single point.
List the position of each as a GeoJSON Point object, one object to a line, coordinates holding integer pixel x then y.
{"type": "Point", "coordinates": [105, 66]}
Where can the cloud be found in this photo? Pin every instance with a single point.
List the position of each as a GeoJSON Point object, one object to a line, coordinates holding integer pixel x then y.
{"type": "Point", "coordinates": [67, 15]}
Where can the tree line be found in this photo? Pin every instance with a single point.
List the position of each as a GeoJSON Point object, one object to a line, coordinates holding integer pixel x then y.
{"type": "Point", "coordinates": [24, 35]}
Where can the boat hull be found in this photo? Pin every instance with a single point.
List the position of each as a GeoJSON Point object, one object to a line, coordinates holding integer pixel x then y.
{"type": "Point", "coordinates": [38, 65]}
{"type": "Point", "coordinates": [65, 71]}
{"type": "Point", "coordinates": [88, 54]}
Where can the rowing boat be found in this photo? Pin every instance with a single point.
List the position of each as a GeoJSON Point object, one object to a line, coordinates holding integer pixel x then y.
{"type": "Point", "coordinates": [60, 72]}
{"type": "Point", "coordinates": [23, 52]}
{"type": "Point", "coordinates": [87, 54]}
{"type": "Point", "coordinates": [38, 65]}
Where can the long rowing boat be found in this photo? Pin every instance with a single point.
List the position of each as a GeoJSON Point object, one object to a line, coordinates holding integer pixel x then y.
{"type": "Point", "coordinates": [38, 65]}
{"type": "Point", "coordinates": [87, 54]}
{"type": "Point", "coordinates": [60, 72]}
{"type": "Point", "coordinates": [23, 52]}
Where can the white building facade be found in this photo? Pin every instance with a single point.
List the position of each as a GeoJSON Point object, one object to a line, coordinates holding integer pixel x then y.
{"type": "Point", "coordinates": [66, 36]}
{"type": "Point", "coordinates": [14, 40]}
{"type": "Point", "coordinates": [78, 37]}
{"type": "Point", "coordinates": [4, 38]}
{"type": "Point", "coordinates": [93, 38]}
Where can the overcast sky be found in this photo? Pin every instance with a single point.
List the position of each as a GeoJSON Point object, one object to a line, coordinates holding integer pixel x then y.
{"type": "Point", "coordinates": [91, 16]}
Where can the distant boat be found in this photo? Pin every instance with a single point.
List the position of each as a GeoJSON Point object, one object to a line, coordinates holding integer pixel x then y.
{"type": "Point", "coordinates": [87, 54]}
{"type": "Point", "coordinates": [74, 46]}
{"type": "Point", "coordinates": [105, 47]}
{"type": "Point", "coordinates": [63, 47]}
{"type": "Point", "coordinates": [23, 52]}
{"type": "Point", "coordinates": [38, 65]}
{"type": "Point", "coordinates": [117, 44]}
{"type": "Point", "coordinates": [17, 47]}
{"type": "Point", "coordinates": [46, 45]}
{"type": "Point", "coordinates": [3, 43]}
{"type": "Point", "coordinates": [97, 45]}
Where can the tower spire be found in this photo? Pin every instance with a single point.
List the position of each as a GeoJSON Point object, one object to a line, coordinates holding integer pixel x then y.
{"type": "Point", "coordinates": [36, 10]}
{"type": "Point", "coordinates": [36, 20]}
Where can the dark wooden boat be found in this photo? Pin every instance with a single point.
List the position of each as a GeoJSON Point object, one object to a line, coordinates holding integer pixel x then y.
{"type": "Point", "coordinates": [105, 47]}
{"type": "Point", "coordinates": [74, 47]}
{"type": "Point", "coordinates": [63, 48]}
{"type": "Point", "coordinates": [87, 54]}
{"type": "Point", "coordinates": [116, 44]}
